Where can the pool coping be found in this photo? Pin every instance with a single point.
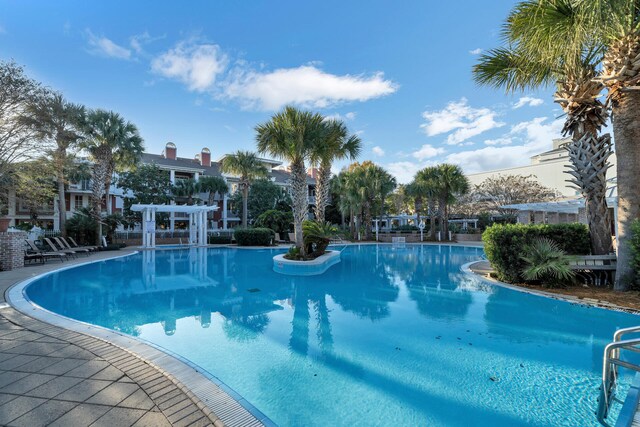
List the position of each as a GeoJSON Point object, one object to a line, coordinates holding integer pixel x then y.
{"type": "Point", "coordinates": [194, 380]}
{"type": "Point", "coordinates": [466, 268]}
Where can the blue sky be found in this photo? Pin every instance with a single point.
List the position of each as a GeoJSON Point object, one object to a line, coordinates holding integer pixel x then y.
{"type": "Point", "coordinates": [204, 74]}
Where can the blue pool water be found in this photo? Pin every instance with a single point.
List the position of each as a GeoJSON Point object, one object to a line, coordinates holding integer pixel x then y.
{"type": "Point", "coordinates": [390, 335]}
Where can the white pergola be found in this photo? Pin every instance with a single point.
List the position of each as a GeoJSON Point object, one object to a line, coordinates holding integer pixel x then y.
{"type": "Point", "coordinates": [197, 222]}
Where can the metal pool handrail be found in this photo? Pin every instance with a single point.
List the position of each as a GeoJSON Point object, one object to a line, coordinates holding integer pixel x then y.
{"type": "Point", "coordinates": [610, 364]}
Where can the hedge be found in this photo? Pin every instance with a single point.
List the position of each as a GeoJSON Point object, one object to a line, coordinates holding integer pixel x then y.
{"type": "Point", "coordinates": [635, 248]}
{"type": "Point", "coordinates": [254, 236]}
{"type": "Point", "coordinates": [505, 243]}
{"type": "Point", "coordinates": [222, 239]}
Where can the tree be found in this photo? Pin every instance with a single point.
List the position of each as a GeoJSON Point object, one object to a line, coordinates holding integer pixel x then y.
{"type": "Point", "coordinates": [263, 195]}
{"type": "Point", "coordinates": [291, 135]}
{"type": "Point", "coordinates": [428, 185]}
{"type": "Point", "coordinates": [336, 144]}
{"type": "Point", "coordinates": [451, 183]}
{"type": "Point", "coordinates": [186, 188]}
{"type": "Point", "coordinates": [562, 31]}
{"type": "Point", "coordinates": [248, 167]}
{"type": "Point", "coordinates": [34, 185]}
{"type": "Point", "coordinates": [577, 93]}
{"type": "Point", "coordinates": [213, 185]}
{"type": "Point", "coordinates": [58, 122]}
{"type": "Point", "coordinates": [147, 184]}
{"type": "Point", "coordinates": [113, 144]}
{"type": "Point", "coordinates": [17, 139]}
{"type": "Point", "coordinates": [383, 184]}
{"type": "Point", "coordinates": [497, 191]}
{"type": "Point", "coordinates": [278, 221]}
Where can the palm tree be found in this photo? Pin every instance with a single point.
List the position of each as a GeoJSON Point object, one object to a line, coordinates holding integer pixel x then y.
{"type": "Point", "coordinates": [113, 144]}
{"type": "Point", "coordinates": [56, 120]}
{"type": "Point", "coordinates": [563, 30]}
{"type": "Point", "coordinates": [292, 135]}
{"type": "Point", "coordinates": [336, 145]}
{"type": "Point", "coordinates": [382, 184]}
{"type": "Point", "coordinates": [427, 185]}
{"type": "Point", "coordinates": [451, 182]}
{"type": "Point", "coordinates": [186, 188]}
{"type": "Point", "coordinates": [577, 93]}
{"type": "Point", "coordinates": [248, 167]}
{"type": "Point", "coordinates": [213, 185]}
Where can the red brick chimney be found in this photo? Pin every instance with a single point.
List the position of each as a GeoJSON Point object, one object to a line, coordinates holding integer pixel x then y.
{"type": "Point", "coordinates": [313, 172]}
{"type": "Point", "coordinates": [170, 151]}
{"type": "Point", "coordinates": [205, 157]}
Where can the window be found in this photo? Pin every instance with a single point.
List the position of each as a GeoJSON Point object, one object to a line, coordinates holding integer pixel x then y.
{"type": "Point", "coordinates": [77, 202]}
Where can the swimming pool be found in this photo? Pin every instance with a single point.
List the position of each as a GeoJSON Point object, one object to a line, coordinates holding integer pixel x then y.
{"type": "Point", "coordinates": [390, 335]}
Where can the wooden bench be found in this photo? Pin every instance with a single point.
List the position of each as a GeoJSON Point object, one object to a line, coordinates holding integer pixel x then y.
{"type": "Point", "coordinates": [598, 270]}
{"type": "Point", "coordinates": [594, 262]}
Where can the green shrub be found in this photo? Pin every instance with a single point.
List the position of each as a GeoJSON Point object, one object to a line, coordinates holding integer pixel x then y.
{"type": "Point", "coordinates": [635, 247]}
{"type": "Point", "coordinates": [505, 243]}
{"type": "Point", "coordinates": [254, 236]}
{"type": "Point", "coordinates": [293, 253]}
{"type": "Point", "coordinates": [220, 240]}
{"type": "Point", "coordinates": [317, 236]}
{"type": "Point", "coordinates": [406, 228]}
{"type": "Point", "coordinates": [547, 263]}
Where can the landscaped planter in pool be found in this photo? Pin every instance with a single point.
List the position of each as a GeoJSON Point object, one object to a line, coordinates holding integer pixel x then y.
{"type": "Point", "coordinates": [305, 268]}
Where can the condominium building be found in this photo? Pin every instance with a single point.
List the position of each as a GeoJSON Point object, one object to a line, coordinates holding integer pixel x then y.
{"type": "Point", "coordinates": [179, 168]}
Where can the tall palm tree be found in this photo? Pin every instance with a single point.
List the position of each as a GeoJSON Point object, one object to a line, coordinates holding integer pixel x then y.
{"type": "Point", "coordinates": [186, 188]}
{"type": "Point", "coordinates": [577, 93]}
{"type": "Point", "coordinates": [60, 122]}
{"type": "Point", "coordinates": [248, 167]}
{"type": "Point", "coordinates": [114, 144]}
{"type": "Point", "coordinates": [427, 184]}
{"type": "Point", "coordinates": [291, 135]}
{"type": "Point", "coordinates": [451, 183]}
{"type": "Point", "coordinates": [564, 29]}
{"type": "Point", "coordinates": [336, 145]}
{"type": "Point", "coordinates": [382, 183]}
{"type": "Point", "coordinates": [213, 185]}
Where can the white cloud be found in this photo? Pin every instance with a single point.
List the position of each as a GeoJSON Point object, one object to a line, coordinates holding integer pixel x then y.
{"type": "Point", "coordinates": [462, 120]}
{"type": "Point", "coordinates": [350, 116]}
{"type": "Point", "coordinates": [477, 51]}
{"type": "Point", "coordinates": [405, 171]}
{"type": "Point", "coordinates": [196, 65]}
{"type": "Point", "coordinates": [498, 141]}
{"type": "Point", "coordinates": [427, 151]}
{"type": "Point", "coordinates": [105, 47]}
{"type": "Point", "coordinates": [528, 100]}
{"type": "Point", "coordinates": [307, 86]}
{"type": "Point", "coordinates": [378, 151]}
{"type": "Point", "coordinates": [534, 137]}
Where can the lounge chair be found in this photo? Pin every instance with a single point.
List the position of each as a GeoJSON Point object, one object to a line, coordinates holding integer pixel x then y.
{"type": "Point", "coordinates": [75, 245]}
{"type": "Point", "coordinates": [34, 248]}
{"type": "Point", "coordinates": [292, 237]}
{"type": "Point", "coordinates": [54, 248]}
{"type": "Point", "coordinates": [33, 256]}
{"type": "Point", "coordinates": [64, 245]}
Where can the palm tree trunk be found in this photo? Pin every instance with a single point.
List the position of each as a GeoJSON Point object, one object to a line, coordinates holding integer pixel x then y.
{"type": "Point", "coordinates": [62, 205]}
{"type": "Point", "coordinates": [100, 172]}
{"type": "Point", "coordinates": [300, 205]}
{"type": "Point", "coordinates": [367, 221]}
{"type": "Point", "coordinates": [626, 128]}
{"type": "Point", "coordinates": [589, 165]}
{"type": "Point", "coordinates": [432, 221]}
{"type": "Point", "coordinates": [245, 205]}
{"type": "Point", "coordinates": [322, 191]}
{"type": "Point", "coordinates": [442, 208]}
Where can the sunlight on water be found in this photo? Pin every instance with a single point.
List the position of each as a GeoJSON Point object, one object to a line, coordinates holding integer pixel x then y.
{"type": "Point", "coordinates": [391, 335]}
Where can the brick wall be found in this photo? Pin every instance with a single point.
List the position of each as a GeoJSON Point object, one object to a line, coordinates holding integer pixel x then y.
{"type": "Point", "coordinates": [12, 250]}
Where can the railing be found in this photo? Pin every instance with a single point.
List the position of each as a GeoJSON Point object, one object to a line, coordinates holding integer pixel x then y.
{"type": "Point", "coordinates": [164, 234]}
{"type": "Point", "coordinates": [610, 364]}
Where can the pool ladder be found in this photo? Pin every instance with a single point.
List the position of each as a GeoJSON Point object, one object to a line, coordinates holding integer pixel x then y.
{"type": "Point", "coordinates": [610, 364]}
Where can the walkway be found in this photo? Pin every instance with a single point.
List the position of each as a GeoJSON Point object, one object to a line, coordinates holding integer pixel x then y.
{"type": "Point", "coordinates": [54, 376]}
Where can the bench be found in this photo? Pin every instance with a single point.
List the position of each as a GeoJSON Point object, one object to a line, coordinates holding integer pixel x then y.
{"type": "Point", "coordinates": [598, 270]}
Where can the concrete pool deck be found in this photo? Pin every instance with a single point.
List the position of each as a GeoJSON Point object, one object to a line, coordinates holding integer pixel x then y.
{"type": "Point", "coordinates": [55, 371]}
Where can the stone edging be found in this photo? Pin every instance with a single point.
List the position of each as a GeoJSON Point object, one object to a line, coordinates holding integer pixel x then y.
{"type": "Point", "coordinates": [466, 268]}
{"type": "Point", "coordinates": [205, 390]}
